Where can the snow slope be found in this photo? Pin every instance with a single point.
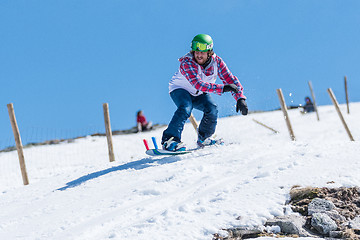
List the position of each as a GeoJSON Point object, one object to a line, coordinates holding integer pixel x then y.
{"type": "Point", "coordinates": [76, 193]}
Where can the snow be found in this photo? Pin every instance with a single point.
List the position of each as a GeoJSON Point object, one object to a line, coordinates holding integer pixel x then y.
{"type": "Point", "coordinates": [76, 193]}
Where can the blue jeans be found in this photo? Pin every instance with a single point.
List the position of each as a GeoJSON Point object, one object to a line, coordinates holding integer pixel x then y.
{"type": "Point", "coordinates": [185, 103]}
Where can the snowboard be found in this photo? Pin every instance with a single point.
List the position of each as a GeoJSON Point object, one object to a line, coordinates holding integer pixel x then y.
{"type": "Point", "coordinates": [161, 152]}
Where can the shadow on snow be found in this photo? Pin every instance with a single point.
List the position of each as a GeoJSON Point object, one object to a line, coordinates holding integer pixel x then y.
{"type": "Point", "coordinates": [137, 165]}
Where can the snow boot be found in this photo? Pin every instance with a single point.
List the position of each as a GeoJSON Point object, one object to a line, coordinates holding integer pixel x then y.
{"type": "Point", "coordinates": [173, 146]}
{"type": "Point", "coordinates": [209, 141]}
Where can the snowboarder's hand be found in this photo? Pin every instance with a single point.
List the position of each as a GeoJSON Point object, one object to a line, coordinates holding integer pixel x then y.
{"type": "Point", "coordinates": [230, 87]}
{"type": "Point", "coordinates": [242, 106]}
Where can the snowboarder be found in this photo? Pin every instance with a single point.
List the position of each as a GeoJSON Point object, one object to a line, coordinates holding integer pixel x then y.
{"type": "Point", "coordinates": [190, 87]}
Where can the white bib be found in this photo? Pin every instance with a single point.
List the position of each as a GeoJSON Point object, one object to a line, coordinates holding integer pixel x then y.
{"type": "Point", "coordinates": [180, 81]}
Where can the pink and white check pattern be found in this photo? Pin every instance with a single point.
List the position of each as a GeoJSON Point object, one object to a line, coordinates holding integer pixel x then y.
{"type": "Point", "coordinates": [189, 69]}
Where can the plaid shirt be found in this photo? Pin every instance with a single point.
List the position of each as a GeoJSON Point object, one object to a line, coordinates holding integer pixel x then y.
{"type": "Point", "coordinates": [189, 69]}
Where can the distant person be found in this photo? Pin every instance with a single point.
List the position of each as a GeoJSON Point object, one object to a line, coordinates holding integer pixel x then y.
{"type": "Point", "coordinates": [142, 123]}
{"type": "Point", "coordinates": [309, 106]}
{"type": "Point", "coordinates": [190, 87]}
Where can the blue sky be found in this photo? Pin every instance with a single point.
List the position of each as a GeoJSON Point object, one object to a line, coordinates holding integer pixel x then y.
{"type": "Point", "coordinates": [61, 60]}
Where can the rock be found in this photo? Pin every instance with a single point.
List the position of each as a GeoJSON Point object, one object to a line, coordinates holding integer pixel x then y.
{"type": "Point", "coordinates": [355, 223]}
{"type": "Point", "coordinates": [336, 234]}
{"type": "Point", "coordinates": [243, 233]}
{"type": "Point", "coordinates": [347, 200]}
{"type": "Point", "coordinates": [333, 213]}
{"type": "Point", "coordinates": [301, 197]}
{"type": "Point", "coordinates": [336, 216]}
{"type": "Point", "coordinates": [290, 224]}
{"type": "Point", "coordinates": [273, 229]}
{"type": "Point", "coordinates": [323, 223]}
{"type": "Point", "coordinates": [298, 194]}
{"type": "Point", "coordinates": [319, 205]}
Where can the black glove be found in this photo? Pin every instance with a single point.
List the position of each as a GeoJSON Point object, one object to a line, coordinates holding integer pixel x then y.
{"type": "Point", "coordinates": [242, 106]}
{"type": "Point", "coordinates": [230, 87]}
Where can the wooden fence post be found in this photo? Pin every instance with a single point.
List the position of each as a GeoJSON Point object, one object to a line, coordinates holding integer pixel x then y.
{"type": "Point", "coordinates": [19, 146]}
{"type": "Point", "coordinates": [193, 122]}
{"type": "Point", "coordinates": [108, 132]}
{"type": "Point", "coordinates": [262, 124]}
{"type": "Point", "coordinates": [347, 96]}
{"type": "Point", "coordinates": [314, 101]}
{"type": "Point", "coordinates": [332, 96]}
{"type": "Point", "coordinates": [286, 116]}
{"type": "Point", "coordinates": [196, 125]}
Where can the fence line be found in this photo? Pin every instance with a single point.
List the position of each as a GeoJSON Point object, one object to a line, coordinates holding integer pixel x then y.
{"type": "Point", "coordinates": [35, 135]}
{"type": "Point", "coordinates": [52, 155]}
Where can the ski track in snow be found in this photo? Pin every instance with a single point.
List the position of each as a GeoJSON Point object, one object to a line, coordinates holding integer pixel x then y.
{"type": "Point", "coordinates": [190, 196]}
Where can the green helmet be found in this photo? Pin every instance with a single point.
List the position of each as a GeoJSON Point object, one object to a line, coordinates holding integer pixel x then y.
{"type": "Point", "coordinates": [202, 43]}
